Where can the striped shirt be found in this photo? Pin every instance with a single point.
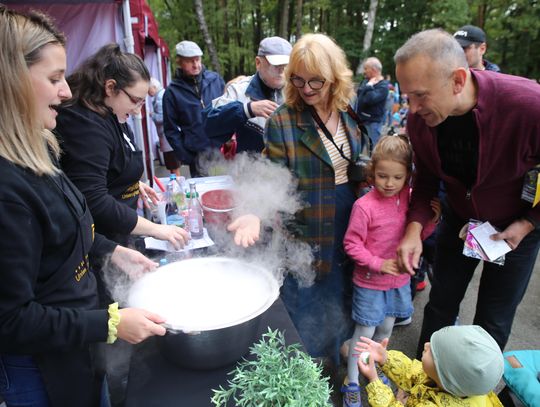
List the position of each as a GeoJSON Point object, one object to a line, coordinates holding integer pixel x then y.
{"type": "Point", "coordinates": [339, 163]}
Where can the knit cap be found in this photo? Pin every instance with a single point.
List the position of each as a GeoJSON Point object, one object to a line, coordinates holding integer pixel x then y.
{"type": "Point", "coordinates": [467, 359]}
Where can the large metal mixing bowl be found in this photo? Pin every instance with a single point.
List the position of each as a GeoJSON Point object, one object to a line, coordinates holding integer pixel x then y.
{"type": "Point", "coordinates": [219, 322]}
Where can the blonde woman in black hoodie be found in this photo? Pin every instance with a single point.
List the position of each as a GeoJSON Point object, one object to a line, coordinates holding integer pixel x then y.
{"type": "Point", "coordinates": [48, 300]}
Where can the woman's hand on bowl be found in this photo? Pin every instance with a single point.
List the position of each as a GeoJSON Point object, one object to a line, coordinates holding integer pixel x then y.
{"type": "Point", "coordinates": [132, 262]}
{"type": "Point", "coordinates": [137, 324]}
{"type": "Point", "coordinates": [246, 230]}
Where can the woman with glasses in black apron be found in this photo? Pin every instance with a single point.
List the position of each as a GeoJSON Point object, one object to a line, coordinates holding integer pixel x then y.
{"type": "Point", "coordinates": [100, 156]}
{"type": "Point", "coordinates": [49, 315]}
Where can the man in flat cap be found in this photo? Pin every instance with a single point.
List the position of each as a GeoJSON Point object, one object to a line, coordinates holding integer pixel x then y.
{"type": "Point", "coordinates": [191, 90]}
{"type": "Point", "coordinates": [473, 41]}
{"type": "Point", "coordinates": [246, 104]}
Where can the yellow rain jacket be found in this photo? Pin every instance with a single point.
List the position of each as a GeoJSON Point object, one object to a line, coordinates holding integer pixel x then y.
{"type": "Point", "coordinates": [409, 376]}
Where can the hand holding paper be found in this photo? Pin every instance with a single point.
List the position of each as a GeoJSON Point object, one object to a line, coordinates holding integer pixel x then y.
{"type": "Point", "coordinates": [515, 232]}
{"type": "Point", "coordinates": [492, 248]}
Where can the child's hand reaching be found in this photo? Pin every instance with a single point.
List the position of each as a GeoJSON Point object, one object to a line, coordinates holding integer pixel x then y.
{"type": "Point", "coordinates": [390, 266]}
{"type": "Point", "coordinates": [435, 204]}
{"type": "Point", "coordinates": [368, 369]}
{"type": "Point", "coordinates": [377, 353]}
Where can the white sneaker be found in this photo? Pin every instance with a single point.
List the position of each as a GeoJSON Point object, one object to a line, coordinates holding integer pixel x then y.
{"type": "Point", "coordinates": [403, 322]}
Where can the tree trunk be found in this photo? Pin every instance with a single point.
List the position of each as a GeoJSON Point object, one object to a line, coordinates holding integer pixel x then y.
{"type": "Point", "coordinates": [257, 31]}
{"type": "Point", "coordinates": [284, 20]}
{"type": "Point", "coordinates": [299, 11]}
{"type": "Point", "coordinates": [481, 16]}
{"type": "Point", "coordinates": [199, 12]}
{"type": "Point", "coordinates": [370, 25]}
{"type": "Point", "coordinates": [369, 33]}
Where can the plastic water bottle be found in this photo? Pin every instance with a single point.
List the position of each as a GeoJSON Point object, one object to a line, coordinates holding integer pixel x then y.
{"type": "Point", "coordinates": [177, 192]}
{"type": "Point", "coordinates": [195, 221]}
{"type": "Point", "coordinates": [163, 262]}
{"type": "Point", "coordinates": [171, 209]}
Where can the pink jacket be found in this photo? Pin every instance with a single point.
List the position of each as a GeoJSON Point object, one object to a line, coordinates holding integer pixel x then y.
{"type": "Point", "coordinates": [376, 226]}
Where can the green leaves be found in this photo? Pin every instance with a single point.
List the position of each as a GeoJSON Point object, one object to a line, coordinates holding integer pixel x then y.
{"type": "Point", "coordinates": [279, 376]}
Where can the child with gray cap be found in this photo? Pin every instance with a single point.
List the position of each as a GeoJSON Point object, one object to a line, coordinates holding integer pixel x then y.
{"type": "Point", "coordinates": [461, 365]}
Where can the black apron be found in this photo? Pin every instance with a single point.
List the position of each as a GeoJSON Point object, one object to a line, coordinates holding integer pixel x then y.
{"type": "Point", "coordinates": [125, 187]}
{"type": "Point", "coordinates": [69, 375]}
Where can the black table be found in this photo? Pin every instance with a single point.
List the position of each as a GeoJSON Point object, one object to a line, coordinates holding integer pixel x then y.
{"type": "Point", "coordinates": [154, 381]}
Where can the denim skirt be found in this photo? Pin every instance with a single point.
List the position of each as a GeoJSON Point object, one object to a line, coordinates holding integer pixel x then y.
{"type": "Point", "coordinates": [370, 307]}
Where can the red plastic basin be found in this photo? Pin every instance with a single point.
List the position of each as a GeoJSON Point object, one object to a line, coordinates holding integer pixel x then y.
{"type": "Point", "coordinates": [218, 205]}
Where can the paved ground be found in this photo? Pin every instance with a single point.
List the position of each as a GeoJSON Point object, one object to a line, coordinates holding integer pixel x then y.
{"type": "Point", "coordinates": [525, 331]}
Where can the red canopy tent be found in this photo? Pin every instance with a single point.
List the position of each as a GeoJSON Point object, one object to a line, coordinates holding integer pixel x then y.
{"type": "Point", "coordinates": [90, 24]}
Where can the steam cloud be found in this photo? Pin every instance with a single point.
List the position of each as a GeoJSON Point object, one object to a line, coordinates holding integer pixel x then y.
{"type": "Point", "coordinates": [262, 188]}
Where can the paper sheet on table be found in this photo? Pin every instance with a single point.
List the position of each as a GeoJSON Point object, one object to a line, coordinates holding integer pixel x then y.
{"type": "Point", "coordinates": [492, 248]}
{"type": "Point", "coordinates": [164, 245]}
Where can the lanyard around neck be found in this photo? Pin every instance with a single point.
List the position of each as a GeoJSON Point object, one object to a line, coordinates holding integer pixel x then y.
{"type": "Point", "coordinates": [326, 132]}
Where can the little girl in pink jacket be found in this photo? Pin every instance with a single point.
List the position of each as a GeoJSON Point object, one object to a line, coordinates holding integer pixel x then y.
{"type": "Point", "coordinates": [381, 291]}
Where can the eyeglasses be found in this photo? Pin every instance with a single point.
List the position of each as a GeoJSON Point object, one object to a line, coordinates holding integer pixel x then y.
{"type": "Point", "coordinates": [314, 84]}
{"type": "Point", "coordinates": [136, 101]}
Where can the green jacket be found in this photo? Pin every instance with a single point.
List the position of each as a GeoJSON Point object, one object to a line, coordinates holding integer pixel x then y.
{"type": "Point", "coordinates": [291, 138]}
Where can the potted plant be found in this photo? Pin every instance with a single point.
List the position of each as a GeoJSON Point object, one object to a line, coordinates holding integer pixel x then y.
{"type": "Point", "coordinates": [279, 376]}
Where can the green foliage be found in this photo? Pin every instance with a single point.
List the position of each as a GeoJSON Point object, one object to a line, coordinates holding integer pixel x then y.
{"type": "Point", "coordinates": [280, 376]}
{"type": "Point", "coordinates": [237, 26]}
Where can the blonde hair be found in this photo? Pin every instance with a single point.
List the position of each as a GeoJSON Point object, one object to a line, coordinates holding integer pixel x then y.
{"type": "Point", "coordinates": [322, 57]}
{"type": "Point", "coordinates": [392, 148]}
{"type": "Point", "coordinates": [24, 140]}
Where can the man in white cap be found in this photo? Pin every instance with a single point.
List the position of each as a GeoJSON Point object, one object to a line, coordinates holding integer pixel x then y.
{"type": "Point", "coordinates": [191, 90]}
{"type": "Point", "coordinates": [246, 104]}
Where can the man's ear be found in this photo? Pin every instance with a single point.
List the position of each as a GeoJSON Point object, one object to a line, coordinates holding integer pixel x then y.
{"type": "Point", "coordinates": [482, 48]}
{"type": "Point", "coordinates": [110, 87]}
{"type": "Point", "coordinates": [459, 78]}
{"type": "Point", "coordinates": [258, 62]}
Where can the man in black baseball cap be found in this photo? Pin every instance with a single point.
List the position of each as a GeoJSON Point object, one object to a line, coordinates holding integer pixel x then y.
{"type": "Point", "coordinates": [473, 41]}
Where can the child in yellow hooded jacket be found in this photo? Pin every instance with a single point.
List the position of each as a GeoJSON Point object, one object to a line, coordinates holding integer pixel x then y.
{"type": "Point", "coordinates": [461, 365]}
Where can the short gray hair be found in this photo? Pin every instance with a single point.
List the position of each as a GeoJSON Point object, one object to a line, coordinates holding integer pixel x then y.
{"type": "Point", "coordinates": [437, 45]}
{"type": "Point", "coordinates": [373, 62]}
{"type": "Point", "coordinates": [155, 82]}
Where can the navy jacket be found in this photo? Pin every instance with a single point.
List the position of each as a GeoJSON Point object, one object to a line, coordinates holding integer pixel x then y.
{"type": "Point", "coordinates": [371, 101]}
{"type": "Point", "coordinates": [490, 66]}
{"type": "Point", "coordinates": [228, 114]}
{"type": "Point", "coordinates": [182, 112]}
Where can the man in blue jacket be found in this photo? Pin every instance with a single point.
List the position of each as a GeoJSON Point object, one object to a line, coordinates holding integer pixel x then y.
{"type": "Point", "coordinates": [371, 98]}
{"type": "Point", "coordinates": [191, 90]}
{"type": "Point", "coordinates": [246, 104]}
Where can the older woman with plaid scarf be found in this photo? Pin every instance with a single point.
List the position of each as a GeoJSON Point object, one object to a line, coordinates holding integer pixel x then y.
{"type": "Point", "coordinates": [314, 136]}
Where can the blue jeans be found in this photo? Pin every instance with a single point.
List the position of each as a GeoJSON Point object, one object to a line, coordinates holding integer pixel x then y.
{"type": "Point", "coordinates": [374, 131]}
{"type": "Point", "coordinates": [501, 287]}
{"type": "Point", "coordinates": [21, 384]}
{"type": "Point", "coordinates": [322, 312]}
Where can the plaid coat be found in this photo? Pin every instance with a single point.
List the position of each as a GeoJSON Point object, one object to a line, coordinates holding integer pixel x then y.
{"type": "Point", "coordinates": [291, 138]}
